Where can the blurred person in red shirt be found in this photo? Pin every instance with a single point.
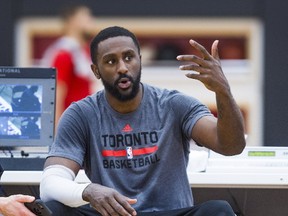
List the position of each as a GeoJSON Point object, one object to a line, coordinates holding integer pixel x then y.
{"type": "Point", "coordinates": [70, 56]}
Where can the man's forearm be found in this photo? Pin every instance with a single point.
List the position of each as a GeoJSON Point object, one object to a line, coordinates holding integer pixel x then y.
{"type": "Point", "coordinates": [230, 126]}
{"type": "Point", "coordinates": [58, 183]}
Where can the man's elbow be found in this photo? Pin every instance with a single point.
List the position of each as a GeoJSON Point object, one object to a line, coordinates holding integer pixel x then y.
{"type": "Point", "coordinates": [240, 148]}
{"type": "Point", "coordinates": [236, 148]}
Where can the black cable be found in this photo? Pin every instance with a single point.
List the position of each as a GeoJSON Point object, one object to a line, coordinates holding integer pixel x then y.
{"type": "Point", "coordinates": [11, 153]}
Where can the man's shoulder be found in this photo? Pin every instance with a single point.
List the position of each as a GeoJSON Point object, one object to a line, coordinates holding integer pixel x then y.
{"type": "Point", "coordinates": [159, 91]}
{"type": "Point", "coordinates": [90, 101]}
{"type": "Point", "coordinates": [171, 96]}
{"type": "Point", "coordinates": [94, 98]}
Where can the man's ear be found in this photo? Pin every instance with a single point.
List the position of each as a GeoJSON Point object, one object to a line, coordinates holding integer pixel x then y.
{"type": "Point", "coordinates": [95, 70]}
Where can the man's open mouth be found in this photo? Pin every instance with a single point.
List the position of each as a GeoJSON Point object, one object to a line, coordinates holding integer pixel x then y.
{"type": "Point", "coordinates": [124, 83]}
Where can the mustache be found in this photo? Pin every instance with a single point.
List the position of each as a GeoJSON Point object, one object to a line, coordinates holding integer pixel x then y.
{"type": "Point", "coordinates": [123, 76]}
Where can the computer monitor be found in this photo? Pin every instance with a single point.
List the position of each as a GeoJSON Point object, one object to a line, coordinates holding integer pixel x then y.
{"type": "Point", "coordinates": [27, 106]}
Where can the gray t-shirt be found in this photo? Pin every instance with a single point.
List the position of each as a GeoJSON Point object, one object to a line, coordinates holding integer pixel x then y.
{"type": "Point", "coordinates": [142, 154]}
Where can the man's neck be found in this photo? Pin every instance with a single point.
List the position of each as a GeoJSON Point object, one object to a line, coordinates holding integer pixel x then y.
{"type": "Point", "coordinates": [127, 106]}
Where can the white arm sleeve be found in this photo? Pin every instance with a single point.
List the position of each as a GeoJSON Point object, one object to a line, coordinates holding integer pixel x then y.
{"type": "Point", "coordinates": [58, 184]}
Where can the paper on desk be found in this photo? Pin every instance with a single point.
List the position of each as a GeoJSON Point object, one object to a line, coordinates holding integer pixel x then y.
{"type": "Point", "coordinates": [197, 161]}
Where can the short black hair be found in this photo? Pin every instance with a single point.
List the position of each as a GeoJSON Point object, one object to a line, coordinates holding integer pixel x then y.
{"type": "Point", "coordinates": [110, 32]}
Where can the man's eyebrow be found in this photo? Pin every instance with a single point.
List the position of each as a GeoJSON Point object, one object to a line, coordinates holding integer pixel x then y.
{"type": "Point", "coordinates": [108, 55]}
{"type": "Point", "coordinates": [130, 51]}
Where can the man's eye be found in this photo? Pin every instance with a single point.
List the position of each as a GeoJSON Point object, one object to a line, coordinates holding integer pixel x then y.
{"type": "Point", "coordinates": [111, 61]}
{"type": "Point", "coordinates": [128, 58]}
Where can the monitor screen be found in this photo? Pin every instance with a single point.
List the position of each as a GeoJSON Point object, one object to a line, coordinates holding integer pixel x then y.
{"type": "Point", "coordinates": [27, 106]}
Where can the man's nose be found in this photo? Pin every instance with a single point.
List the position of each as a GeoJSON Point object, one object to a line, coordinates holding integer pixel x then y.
{"type": "Point", "coordinates": [122, 67]}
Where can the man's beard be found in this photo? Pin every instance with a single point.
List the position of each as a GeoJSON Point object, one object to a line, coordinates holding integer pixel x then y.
{"type": "Point", "coordinates": [113, 90]}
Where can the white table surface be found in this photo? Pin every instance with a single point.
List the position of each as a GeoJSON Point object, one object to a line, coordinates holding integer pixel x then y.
{"type": "Point", "coordinates": [196, 179]}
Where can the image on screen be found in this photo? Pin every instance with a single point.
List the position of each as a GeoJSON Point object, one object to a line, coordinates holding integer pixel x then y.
{"type": "Point", "coordinates": [27, 107]}
{"type": "Point", "coordinates": [20, 111]}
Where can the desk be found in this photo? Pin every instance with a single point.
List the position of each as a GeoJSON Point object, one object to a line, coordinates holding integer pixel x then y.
{"type": "Point", "coordinates": [239, 180]}
{"type": "Point", "coordinates": [253, 190]}
{"type": "Point", "coordinates": [250, 194]}
{"type": "Point", "coordinates": [197, 180]}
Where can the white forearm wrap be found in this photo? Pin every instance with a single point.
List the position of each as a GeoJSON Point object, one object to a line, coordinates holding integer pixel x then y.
{"type": "Point", "coordinates": [58, 184]}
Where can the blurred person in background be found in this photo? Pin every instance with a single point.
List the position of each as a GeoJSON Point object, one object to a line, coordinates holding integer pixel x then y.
{"type": "Point", "coordinates": [70, 56]}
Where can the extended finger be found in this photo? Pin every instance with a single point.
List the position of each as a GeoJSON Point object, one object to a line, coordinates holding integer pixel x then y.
{"type": "Point", "coordinates": [192, 58]}
{"type": "Point", "coordinates": [200, 77]}
{"type": "Point", "coordinates": [102, 210]}
{"type": "Point", "coordinates": [23, 198]}
{"type": "Point", "coordinates": [192, 75]}
{"type": "Point", "coordinates": [214, 50]}
{"type": "Point", "coordinates": [192, 67]}
{"type": "Point", "coordinates": [125, 203]}
{"type": "Point", "coordinates": [112, 208]}
{"type": "Point", "coordinates": [118, 209]}
{"type": "Point", "coordinates": [205, 53]}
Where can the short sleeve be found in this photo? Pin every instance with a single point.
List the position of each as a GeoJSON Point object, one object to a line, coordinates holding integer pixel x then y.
{"type": "Point", "coordinates": [190, 110]}
{"type": "Point", "coordinates": [71, 138]}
